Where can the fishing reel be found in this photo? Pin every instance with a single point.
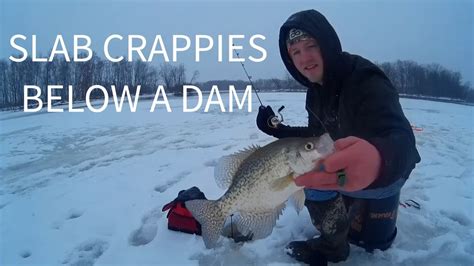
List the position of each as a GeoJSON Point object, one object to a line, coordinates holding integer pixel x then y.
{"type": "Point", "coordinates": [274, 121]}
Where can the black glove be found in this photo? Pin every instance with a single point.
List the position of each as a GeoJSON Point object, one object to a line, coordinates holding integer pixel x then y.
{"type": "Point", "coordinates": [264, 116]}
{"type": "Point", "coordinates": [264, 123]}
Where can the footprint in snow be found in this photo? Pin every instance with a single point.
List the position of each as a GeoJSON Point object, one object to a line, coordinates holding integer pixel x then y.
{"type": "Point", "coordinates": [253, 136]}
{"type": "Point", "coordinates": [147, 231]}
{"type": "Point", "coordinates": [86, 253]}
{"type": "Point", "coordinates": [163, 167]}
{"type": "Point", "coordinates": [25, 254]}
{"type": "Point", "coordinates": [169, 183]}
{"type": "Point", "coordinates": [211, 163]}
{"type": "Point", "coordinates": [74, 213]}
{"type": "Point", "coordinates": [457, 217]}
{"type": "Point", "coordinates": [228, 147]}
{"type": "Point", "coordinates": [56, 225]}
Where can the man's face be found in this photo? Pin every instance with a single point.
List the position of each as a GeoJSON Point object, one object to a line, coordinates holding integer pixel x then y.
{"type": "Point", "coordinates": [307, 58]}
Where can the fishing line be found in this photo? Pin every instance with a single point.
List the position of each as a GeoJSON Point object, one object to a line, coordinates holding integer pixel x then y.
{"type": "Point", "coordinates": [274, 121]}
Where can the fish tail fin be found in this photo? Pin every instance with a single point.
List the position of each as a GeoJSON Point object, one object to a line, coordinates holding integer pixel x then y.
{"type": "Point", "coordinates": [210, 216]}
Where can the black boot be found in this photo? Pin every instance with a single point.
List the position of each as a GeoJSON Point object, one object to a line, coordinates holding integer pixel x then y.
{"type": "Point", "coordinates": [301, 251]}
{"type": "Point", "coordinates": [331, 219]}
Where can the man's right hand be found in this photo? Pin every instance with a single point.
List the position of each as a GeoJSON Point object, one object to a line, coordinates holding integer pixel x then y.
{"type": "Point", "coordinates": [265, 114]}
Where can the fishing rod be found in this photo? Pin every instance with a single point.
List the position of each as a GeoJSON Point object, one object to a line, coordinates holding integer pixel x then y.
{"type": "Point", "coordinates": [274, 120]}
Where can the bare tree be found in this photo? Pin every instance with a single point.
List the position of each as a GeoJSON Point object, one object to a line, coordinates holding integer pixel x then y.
{"type": "Point", "coordinates": [174, 76]}
{"type": "Point", "coordinates": [4, 100]}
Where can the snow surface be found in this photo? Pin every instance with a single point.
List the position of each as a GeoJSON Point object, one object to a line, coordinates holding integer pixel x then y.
{"type": "Point", "coordinates": [88, 188]}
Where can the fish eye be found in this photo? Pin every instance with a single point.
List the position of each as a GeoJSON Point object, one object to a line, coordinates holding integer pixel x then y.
{"type": "Point", "coordinates": [309, 146]}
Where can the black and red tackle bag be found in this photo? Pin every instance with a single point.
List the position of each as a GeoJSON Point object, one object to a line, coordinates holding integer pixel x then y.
{"type": "Point", "coordinates": [180, 218]}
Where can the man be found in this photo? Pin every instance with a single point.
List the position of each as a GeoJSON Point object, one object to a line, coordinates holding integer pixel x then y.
{"type": "Point", "coordinates": [354, 195]}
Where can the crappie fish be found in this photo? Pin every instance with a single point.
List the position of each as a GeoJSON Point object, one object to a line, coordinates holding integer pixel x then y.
{"type": "Point", "coordinates": [259, 181]}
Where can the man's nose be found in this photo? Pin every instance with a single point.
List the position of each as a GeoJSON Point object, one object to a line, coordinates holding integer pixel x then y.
{"type": "Point", "coordinates": [306, 57]}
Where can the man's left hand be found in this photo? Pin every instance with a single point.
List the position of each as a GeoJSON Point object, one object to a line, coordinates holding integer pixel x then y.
{"type": "Point", "coordinates": [359, 159]}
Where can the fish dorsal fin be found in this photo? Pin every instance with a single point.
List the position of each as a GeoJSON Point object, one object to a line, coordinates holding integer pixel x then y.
{"type": "Point", "coordinates": [227, 166]}
{"type": "Point", "coordinates": [259, 224]}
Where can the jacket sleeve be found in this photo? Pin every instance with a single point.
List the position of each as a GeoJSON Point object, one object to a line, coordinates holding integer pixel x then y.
{"type": "Point", "coordinates": [380, 119]}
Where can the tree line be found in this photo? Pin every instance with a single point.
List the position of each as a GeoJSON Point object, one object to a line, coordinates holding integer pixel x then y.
{"type": "Point", "coordinates": [82, 75]}
{"type": "Point", "coordinates": [433, 80]}
{"type": "Point", "coordinates": [407, 76]}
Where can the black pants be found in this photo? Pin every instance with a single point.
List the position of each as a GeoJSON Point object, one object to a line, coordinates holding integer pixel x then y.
{"type": "Point", "coordinates": [372, 221]}
{"type": "Point", "coordinates": [368, 223]}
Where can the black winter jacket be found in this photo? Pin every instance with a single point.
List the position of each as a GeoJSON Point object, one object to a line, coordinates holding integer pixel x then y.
{"type": "Point", "coordinates": [356, 99]}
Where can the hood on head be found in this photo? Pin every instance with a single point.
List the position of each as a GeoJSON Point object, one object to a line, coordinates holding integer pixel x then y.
{"type": "Point", "coordinates": [314, 23]}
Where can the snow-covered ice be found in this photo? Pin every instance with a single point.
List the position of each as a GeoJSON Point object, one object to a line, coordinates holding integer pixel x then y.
{"type": "Point", "coordinates": [88, 188]}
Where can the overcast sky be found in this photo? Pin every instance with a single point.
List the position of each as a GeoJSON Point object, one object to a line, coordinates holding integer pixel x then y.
{"type": "Point", "coordinates": [422, 31]}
